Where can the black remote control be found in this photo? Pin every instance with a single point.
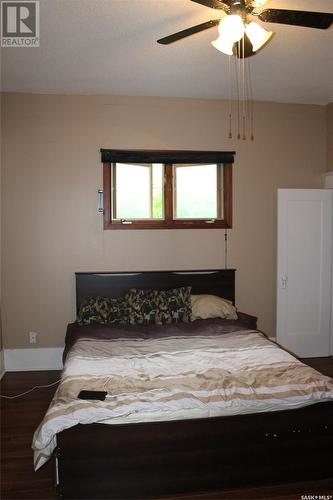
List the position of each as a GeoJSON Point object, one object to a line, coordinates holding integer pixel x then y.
{"type": "Point", "coordinates": [98, 395]}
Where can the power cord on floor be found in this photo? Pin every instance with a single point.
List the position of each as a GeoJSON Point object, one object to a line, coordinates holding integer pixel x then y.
{"type": "Point", "coordinates": [30, 390]}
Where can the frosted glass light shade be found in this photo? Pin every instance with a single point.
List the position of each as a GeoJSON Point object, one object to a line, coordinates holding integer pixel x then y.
{"type": "Point", "coordinates": [258, 3]}
{"type": "Point", "coordinates": [231, 28]}
{"type": "Point", "coordinates": [257, 35]}
{"type": "Point", "coordinates": [223, 46]}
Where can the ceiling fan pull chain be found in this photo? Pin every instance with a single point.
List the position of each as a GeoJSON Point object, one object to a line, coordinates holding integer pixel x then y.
{"type": "Point", "coordinates": [251, 101]}
{"type": "Point", "coordinates": [247, 90]}
{"type": "Point", "coordinates": [230, 133]}
{"type": "Point", "coordinates": [243, 89]}
{"type": "Point", "coordinates": [238, 96]}
{"type": "Point", "coordinates": [230, 97]}
{"type": "Point", "coordinates": [252, 120]}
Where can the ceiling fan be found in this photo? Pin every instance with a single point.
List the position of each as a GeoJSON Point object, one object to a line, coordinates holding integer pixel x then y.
{"type": "Point", "coordinates": [242, 37]}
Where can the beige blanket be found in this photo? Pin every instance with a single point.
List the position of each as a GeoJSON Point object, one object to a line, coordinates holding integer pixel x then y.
{"type": "Point", "coordinates": [177, 378]}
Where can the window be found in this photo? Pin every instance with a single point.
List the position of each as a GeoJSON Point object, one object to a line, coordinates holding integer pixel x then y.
{"type": "Point", "coordinates": [167, 190]}
{"type": "Point", "coordinates": [137, 191]}
{"type": "Point", "coordinates": [198, 192]}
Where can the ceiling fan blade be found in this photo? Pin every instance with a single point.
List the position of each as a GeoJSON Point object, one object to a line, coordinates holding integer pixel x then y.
{"type": "Point", "coordinates": [320, 20]}
{"type": "Point", "coordinates": [213, 4]}
{"type": "Point", "coordinates": [188, 32]}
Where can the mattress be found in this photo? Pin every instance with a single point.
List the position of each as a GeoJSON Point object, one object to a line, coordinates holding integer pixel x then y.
{"type": "Point", "coordinates": [209, 368]}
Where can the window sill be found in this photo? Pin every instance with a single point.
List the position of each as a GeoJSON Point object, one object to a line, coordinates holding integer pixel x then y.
{"type": "Point", "coordinates": [220, 224]}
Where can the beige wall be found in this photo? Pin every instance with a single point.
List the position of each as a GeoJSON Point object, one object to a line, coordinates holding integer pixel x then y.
{"type": "Point", "coordinates": [52, 171]}
{"type": "Point", "coordinates": [329, 122]}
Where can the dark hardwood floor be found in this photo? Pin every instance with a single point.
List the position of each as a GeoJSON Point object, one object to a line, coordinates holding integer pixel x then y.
{"type": "Point", "coordinates": [20, 417]}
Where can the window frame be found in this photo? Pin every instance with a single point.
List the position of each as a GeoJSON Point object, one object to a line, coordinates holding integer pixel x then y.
{"type": "Point", "coordinates": [168, 158]}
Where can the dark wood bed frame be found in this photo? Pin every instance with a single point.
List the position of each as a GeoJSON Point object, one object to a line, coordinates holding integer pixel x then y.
{"type": "Point", "coordinates": [163, 458]}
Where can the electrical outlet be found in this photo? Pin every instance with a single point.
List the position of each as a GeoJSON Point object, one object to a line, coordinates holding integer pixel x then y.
{"type": "Point", "coordinates": [33, 337]}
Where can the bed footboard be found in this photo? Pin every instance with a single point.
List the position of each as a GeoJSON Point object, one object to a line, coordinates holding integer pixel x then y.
{"type": "Point", "coordinates": [152, 459]}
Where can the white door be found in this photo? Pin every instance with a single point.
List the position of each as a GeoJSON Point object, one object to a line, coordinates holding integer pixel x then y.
{"type": "Point", "coordinates": [304, 271]}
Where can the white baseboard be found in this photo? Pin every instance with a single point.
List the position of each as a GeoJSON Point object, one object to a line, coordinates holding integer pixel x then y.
{"type": "Point", "coordinates": [42, 358]}
{"type": "Point", "coordinates": [2, 364]}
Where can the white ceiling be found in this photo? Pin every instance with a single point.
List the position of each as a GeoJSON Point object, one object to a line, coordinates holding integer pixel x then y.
{"type": "Point", "coordinates": [109, 47]}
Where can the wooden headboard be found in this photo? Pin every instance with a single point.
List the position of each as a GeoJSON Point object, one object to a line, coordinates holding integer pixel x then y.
{"type": "Point", "coordinates": [219, 282]}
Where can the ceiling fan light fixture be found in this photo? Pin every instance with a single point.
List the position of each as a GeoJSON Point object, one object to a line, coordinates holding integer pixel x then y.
{"type": "Point", "coordinates": [231, 28]}
{"type": "Point", "coordinates": [257, 35]}
{"type": "Point", "coordinates": [223, 45]}
{"type": "Point", "coordinates": [258, 3]}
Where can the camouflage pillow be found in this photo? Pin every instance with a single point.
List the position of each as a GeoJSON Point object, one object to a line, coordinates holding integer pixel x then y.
{"type": "Point", "coordinates": [103, 310]}
{"type": "Point", "coordinates": [175, 305]}
{"type": "Point", "coordinates": [159, 307]}
{"type": "Point", "coordinates": [143, 306]}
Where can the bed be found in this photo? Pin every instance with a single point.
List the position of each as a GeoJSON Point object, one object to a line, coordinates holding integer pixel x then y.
{"type": "Point", "coordinates": [198, 447]}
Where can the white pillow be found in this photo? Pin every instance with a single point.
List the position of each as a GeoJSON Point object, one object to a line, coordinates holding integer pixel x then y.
{"type": "Point", "coordinates": [212, 306]}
